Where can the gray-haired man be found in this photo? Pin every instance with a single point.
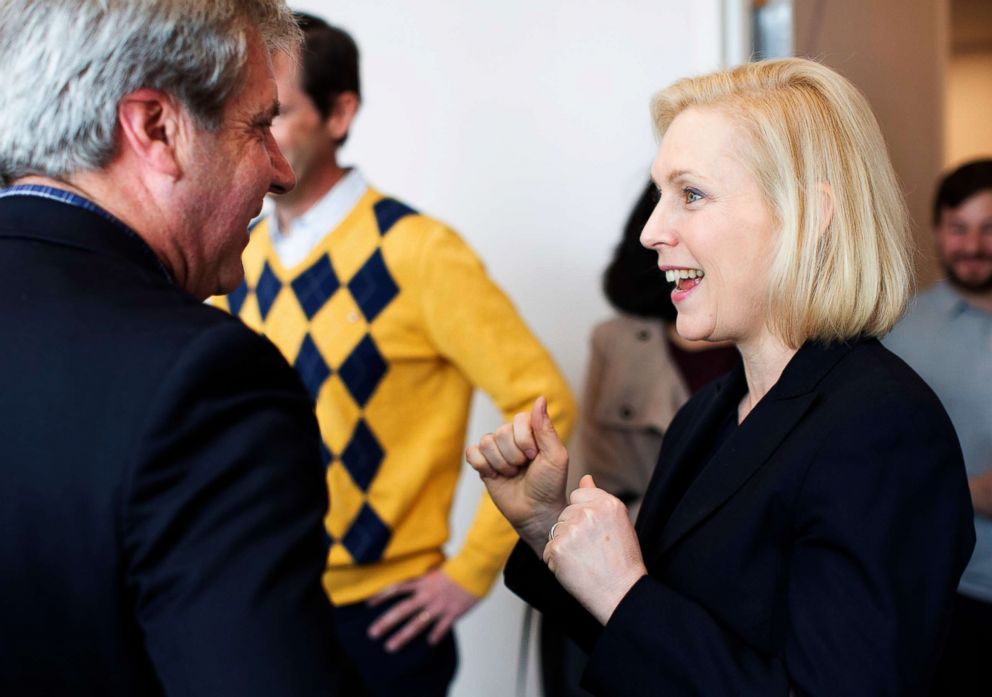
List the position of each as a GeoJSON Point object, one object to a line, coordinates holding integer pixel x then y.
{"type": "Point", "coordinates": [161, 491]}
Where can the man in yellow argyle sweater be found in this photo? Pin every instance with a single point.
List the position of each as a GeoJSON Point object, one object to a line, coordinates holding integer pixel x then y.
{"type": "Point", "coordinates": [391, 321]}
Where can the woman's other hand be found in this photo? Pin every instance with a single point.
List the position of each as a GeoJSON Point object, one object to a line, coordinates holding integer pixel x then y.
{"type": "Point", "coordinates": [524, 465]}
{"type": "Point", "coordinates": [594, 552]}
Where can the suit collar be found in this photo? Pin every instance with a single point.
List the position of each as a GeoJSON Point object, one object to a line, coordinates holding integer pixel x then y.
{"type": "Point", "coordinates": [748, 448]}
{"type": "Point", "coordinates": [58, 217]}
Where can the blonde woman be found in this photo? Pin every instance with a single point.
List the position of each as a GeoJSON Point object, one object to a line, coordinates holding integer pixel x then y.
{"type": "Point", "coordinates": [810, 516]}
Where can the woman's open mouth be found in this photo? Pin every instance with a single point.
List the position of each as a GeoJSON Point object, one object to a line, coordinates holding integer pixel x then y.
{"type": "Point", "coordinates": [684, 279]}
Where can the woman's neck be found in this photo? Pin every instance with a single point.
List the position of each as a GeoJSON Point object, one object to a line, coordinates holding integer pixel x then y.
{"type": "Point", "coordinates": [764, 360]}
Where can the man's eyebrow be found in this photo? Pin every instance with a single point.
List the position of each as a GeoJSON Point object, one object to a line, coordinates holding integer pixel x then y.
{"type": "Point", "coordinates": [269, 114]}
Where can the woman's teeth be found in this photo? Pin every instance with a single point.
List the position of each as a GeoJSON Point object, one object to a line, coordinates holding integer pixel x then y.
{"type": "Point", "coordinates": [674, 275]}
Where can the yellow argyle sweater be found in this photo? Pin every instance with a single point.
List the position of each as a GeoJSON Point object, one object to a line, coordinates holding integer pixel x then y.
{"type": "Point", "coordinates": [390, 321]}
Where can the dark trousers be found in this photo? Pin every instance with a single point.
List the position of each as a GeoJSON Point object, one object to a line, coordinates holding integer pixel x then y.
{"type": "Point", "coordinates": [416, 670]}
{"type": "Point", "coordinates": [963, 669]}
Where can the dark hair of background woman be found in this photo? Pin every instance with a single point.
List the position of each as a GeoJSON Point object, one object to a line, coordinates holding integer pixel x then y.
{"type": "Point", "coordinates": [633, 283]}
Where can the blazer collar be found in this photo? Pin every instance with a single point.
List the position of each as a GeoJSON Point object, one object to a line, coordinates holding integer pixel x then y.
{"type": "Point", "coordinates": [28, 215]}
{"type": "Point", "coordinates": [749, 447]}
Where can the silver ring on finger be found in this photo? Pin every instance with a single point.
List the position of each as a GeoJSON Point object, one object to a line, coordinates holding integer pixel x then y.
{"type": "Point", "coordinates": [553, 530]}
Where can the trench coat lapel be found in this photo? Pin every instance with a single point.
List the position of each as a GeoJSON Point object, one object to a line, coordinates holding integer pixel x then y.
{"type": "Point", "coordinates": [753, 442]}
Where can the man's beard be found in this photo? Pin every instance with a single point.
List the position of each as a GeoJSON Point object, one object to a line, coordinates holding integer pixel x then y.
{"type": "Point", "coordinates": [983, 286]}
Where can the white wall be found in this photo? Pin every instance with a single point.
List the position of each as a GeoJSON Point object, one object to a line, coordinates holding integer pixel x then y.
{"type": "Point", "coordinates": [525, 126]}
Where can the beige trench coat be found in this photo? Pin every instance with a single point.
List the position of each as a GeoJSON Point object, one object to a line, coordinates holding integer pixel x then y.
{"type": "Point", "coordinates": [632, 391]}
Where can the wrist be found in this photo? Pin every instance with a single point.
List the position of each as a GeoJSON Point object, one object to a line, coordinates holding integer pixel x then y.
{"type": "Point", "coordinates": [615, 594]}
{"type": "Point", "coordinates": [536, 531]}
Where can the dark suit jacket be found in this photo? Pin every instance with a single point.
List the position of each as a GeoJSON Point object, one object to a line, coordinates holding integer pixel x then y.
{"type": "Point", "coordinates": [161, 492]}
{"type": "Point", "coordinates": [818, 550]}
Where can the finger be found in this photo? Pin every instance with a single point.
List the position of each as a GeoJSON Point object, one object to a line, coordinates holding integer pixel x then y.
{"type": "Point", "coordinates": [416, 625]}
{"type": "Point", "coordinates": [389, 592]}
{"type": "Point", "coordinates": [549, 555]}
{"type": "Point", "coordinates": [591, 494]}
{"type": "Point", "coordinates": [494, 458]}
{"type": "Point", "coordinates": [475, 458]}
{"type": "Point", "coordinates": [545, 435]}
{"type": "Point", "coordinates": [523, 434]}
{"type": "Point", "coordinates": [587, 491]}
{"type": "Point", "coordinates": [439, 630]}
{"type": "Point", "coordinates": [506, 442]}
{"type": "Point", "coordinates": [392, 617]}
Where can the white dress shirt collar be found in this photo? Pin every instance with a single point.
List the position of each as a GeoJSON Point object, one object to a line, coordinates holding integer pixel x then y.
{"type": "Point", "coordinates": [324, 216]}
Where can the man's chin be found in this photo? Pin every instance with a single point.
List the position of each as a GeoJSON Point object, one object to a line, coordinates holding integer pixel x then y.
{"type": "Point", "coordinates": [230, 280]}
{"type": "Point", "coordinates": [980, 285]}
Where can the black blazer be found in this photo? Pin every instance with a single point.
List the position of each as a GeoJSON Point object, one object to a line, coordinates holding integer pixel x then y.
{"type": "Point", "coordinates": [817, 550]}
{"type": "Point", "coordinates": [161, 492]}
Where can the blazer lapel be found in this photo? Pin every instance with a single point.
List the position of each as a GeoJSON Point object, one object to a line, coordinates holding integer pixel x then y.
{"type": "Point", "coordinates": [730, 468]}
{"type": "Point", "coordinates": [752, 444]}
{"type": "Point", "coordinates": [677, 454]}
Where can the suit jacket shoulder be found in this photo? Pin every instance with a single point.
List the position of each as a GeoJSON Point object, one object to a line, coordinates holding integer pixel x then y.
{"type": "Point", "coordinates": [161, 490]}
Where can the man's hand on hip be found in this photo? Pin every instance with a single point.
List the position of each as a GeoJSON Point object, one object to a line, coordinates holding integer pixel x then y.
{"type": "Point", "coordinates": [434, 601]}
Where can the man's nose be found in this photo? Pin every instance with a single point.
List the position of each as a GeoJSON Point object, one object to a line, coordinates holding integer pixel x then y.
{"type": "Point", "coordinates": [283, 178]}
{"type": "Point", "coordinates": [972, 241]}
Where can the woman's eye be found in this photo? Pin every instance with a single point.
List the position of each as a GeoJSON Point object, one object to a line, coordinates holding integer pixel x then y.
{"type": "Point", "coordinates": [691, 196]}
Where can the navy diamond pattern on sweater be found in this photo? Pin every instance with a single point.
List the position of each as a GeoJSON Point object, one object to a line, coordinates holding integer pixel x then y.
{"type": "Point", "coordinates": [362, 456]}
{"type": "Point", "coordinates": [237, 298]}
{"type": "Point", "coordinates": [267, 289]}
{"type": "Point", "coordinates": [315, 286]}
{"type": "Point", "coordinates": [325, 454]}
{"type": "Point", "coordinates": [362, 371]}
{"type": "Point", "coordinates": [373, 286]}
{"type": "Point", "coordinates": [367, 537]}
{"type": "Point", "coordinates": [311, 366]}
{"type": "Point", "coordinates": [388, 211]}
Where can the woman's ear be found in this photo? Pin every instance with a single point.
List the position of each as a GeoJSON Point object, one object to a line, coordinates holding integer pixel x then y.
{"type": "Point", "coordinates": [150, 122]}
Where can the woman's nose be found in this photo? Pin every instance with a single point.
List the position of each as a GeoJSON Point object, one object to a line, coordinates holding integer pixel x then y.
{"type": "Point", "coordinates": [659, 231]}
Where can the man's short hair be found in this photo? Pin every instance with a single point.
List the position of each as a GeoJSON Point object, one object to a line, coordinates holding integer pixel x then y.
{"type": "Point", "coordinates": [329, 63]}
{"type": "Point", "coordinates": [961, 184]}
{"type": "Point", "coordinates": [809, 136]}
{"type": "Point", "coordinates": [68, 64]}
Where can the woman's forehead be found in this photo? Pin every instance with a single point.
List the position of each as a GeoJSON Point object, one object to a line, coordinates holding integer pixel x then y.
{"type": "Point", "coordinates": [699, 142]}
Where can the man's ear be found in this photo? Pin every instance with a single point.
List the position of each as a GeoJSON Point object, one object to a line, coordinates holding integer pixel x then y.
{"type": "Point", "coordinates": [342, 114]}
{"type": "Point", "coordinates": [150, 122]}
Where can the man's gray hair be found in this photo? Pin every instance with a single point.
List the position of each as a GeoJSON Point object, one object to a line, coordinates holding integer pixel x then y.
{"type": "Point", "coordinates": [68, 64]}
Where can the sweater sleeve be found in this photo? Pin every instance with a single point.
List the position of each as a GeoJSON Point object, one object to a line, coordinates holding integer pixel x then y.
{"type": "Point", "coordinates": [475, 326]}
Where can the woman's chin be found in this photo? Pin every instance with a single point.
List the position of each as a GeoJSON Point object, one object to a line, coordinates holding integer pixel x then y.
{"type": "Point", "coordinates": [691, 331]}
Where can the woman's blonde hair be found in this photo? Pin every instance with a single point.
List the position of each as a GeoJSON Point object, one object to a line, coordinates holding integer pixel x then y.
{"type": "Point", "coordinates": [842, 268]}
